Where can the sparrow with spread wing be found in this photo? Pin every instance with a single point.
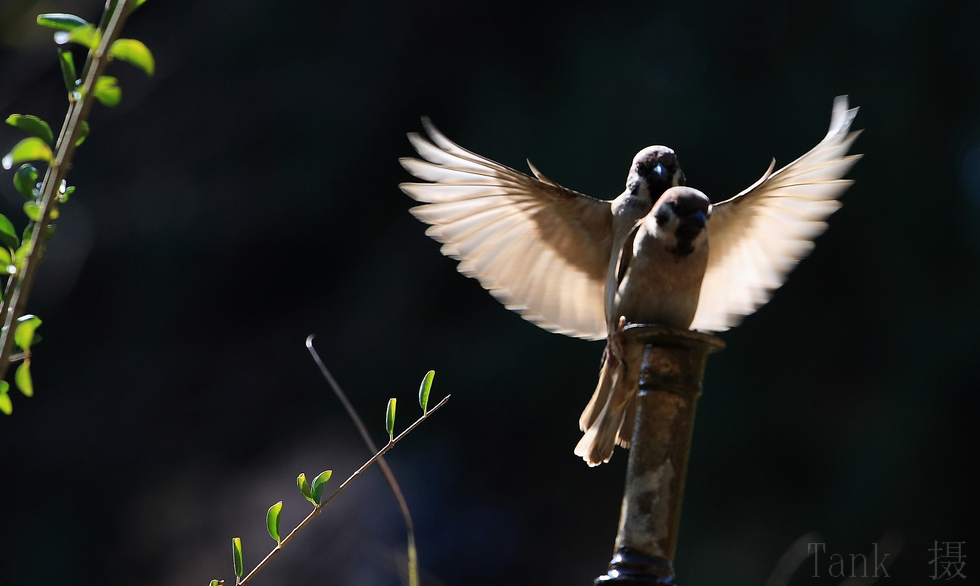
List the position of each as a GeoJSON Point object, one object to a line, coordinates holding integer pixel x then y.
{"type": "Point", "coordinates": [658, 253]}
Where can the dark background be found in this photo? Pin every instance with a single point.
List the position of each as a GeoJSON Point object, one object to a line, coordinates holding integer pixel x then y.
{"type": "Point", "coordinates": [246, 196]}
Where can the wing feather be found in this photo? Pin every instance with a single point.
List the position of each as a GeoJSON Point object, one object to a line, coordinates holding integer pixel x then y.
{"type": "Point", "coordinates": [541, 249]}
{"type": "Point", "coordinates": [757, 237]}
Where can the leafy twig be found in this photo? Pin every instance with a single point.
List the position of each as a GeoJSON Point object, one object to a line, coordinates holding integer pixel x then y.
{"type": "Point", "coordinates": [319, 507]}
{"type": "Point", "coordinates": [16, 300]}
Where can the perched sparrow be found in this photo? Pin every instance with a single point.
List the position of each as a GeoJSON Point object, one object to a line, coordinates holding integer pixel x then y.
{"type": "Point", "coordinates": [658, 253]}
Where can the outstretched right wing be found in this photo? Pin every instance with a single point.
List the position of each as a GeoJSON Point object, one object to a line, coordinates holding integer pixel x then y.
{"type": "Point", "coordinates": [541, 249]}
{"type": "Point", "coordinates": [757, 237]}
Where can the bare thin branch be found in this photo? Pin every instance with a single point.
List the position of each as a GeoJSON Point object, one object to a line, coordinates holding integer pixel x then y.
{"type": "Point", "coordinates": [385, 469]}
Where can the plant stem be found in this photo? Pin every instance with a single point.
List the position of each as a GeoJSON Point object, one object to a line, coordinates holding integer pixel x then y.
{"type": "Point", "coordinates": [413, 563]}
{"type": "Point", "coordinates": [8, 291]}
{"type": "Point", "coordinates": [57, 171]}
{"type": "Point", "coordinates": [350, 478]}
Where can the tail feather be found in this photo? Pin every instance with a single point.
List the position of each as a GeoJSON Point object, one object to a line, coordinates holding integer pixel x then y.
{"type": "Point", "coordinates": [599, 397]}
{"type": "Point", "coordinates": [616, 393]}
{"type": "Point", "coordinates": [625, 436]}
{"type": "Point", "coordinates": [599, 440]}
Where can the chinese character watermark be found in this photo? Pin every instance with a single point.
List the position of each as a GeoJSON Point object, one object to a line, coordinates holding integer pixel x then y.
{"type": "Point", "coordinates": [948, 560]}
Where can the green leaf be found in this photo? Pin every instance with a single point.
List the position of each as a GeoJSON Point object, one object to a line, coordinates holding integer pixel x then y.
{"type": "Point", "coordinates": [390, 418]}
{"type": "Point", "coordinates": [236, 552]}
{"type": "Point", "coordinates": [5, 260]}
{"type": "Point", "coordinates": [28, 232]}
{"type": "Point", "coordinates": [24, 334]}
{"type": "Point", "coordinates": [32, 209]}
{"type": "Point", "coordinates": [68, 73]}
{"type": "Point", "coordinates": [133, 52]}
{"type": "Point", "coordinates": [5, 404]}
{"type": "Point", "coordinates": [87, 36]}
{"type": "Point", "coordinates": [22, 378]}
{"type": "Point", "coordinates": [318, 483]}
{"type": "Point", "coordinates": [215, 583]}
{"type": "Point", "coordinates": [8, 236]}
{"type": "Point", "coordinates": [29, 149]}
{"type": "Point", "coordinates": [62, 22]}
{"type": "Point", "coordinates": [424, 389]}
{"type": "Point", "coordinates": [107, 91]}
{"type": "Point", "coordinates": [304, 488]}
{"type": "Point", "coordinates": [33, 126]}
{"type": "Point", "coordinates": [21, 252]}
{"type": "Point", "coordinates": [83, 134]}
{"type": "Point", "coordinates": [65, 191]}
{"type": "Point", "coordinates": [272, 521]}
{"type": "Point", "coordinates": [25, 181]}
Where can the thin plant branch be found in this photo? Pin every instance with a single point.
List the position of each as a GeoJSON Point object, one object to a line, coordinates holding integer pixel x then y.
{"type": "Point", "coordinates": [15, 303]}
{"type": "Point", "coordinates": [413, 563]}
{"type": "Point", "coordinates": [792, 559]}
{"type": "Point", "coordinates": [7, 292]}
{"type": "Point", "coordinates": [319, 508]}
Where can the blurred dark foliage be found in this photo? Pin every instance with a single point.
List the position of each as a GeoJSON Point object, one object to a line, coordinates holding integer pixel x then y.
{"type": "Point", "coordinates": [247, 196]}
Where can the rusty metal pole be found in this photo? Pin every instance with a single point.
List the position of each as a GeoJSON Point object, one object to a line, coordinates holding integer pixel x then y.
{"type": "Point", "coordinates": [670, 383]}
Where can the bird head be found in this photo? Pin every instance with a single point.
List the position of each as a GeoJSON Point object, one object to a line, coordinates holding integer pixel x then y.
{"type": "Point", "coordinates": [682, 214]}
{"type": "Point", "coordinates": [654, 170]}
